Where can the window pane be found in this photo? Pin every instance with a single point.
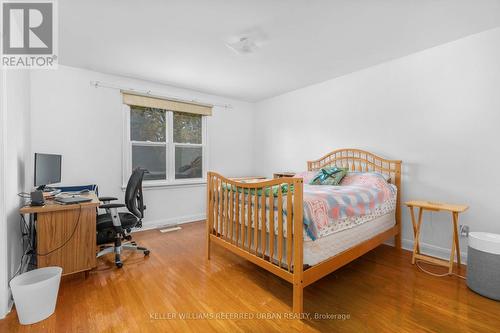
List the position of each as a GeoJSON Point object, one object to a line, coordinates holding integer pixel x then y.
{"type": "Point", "coordinates": [188, 162]}
{"type": "Point", "coordinates": [187, 128]}
{"type": "Point", "coordinates": [147, 124]}
{"type": "Point", "coordinates": [151, 158]}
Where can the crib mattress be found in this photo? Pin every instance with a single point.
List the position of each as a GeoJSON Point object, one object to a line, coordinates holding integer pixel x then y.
{"type": "Point", "coordinates": [333, 244]}
{"type": "Point", "coordinates": [329, 246]}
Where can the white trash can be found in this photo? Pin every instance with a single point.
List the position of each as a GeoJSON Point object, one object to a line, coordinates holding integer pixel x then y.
{"type": "Point", "coordinates": [483, 264]}
{"type": "Point", "coordinates": [35, 293]}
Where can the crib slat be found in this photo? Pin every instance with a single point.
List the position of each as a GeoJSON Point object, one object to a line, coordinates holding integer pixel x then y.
{"type": "Point", "coordinates": [218, 184]}
{"type": "Point", "coordinates": [214, 204]}
{"type": "Point", "coordinates": [231, 211]}
{"type": "Point", "coordinates": [225, 211]}
{"type": "Point", "coordinates": [243, 218]}
{"type": "Point", "coordinates": [263, 222]}
{"type": "Point", "coordinates": [222, 211]}
{"type": "Point", "coordinates": [237, 215]}
{"type": "Point", "coordinates": [249, 220]}
{"type": "Point", "coordinates": [271, 227]}
{"type": "Point", "coordinates": [228, 212]}
{"type": "Point", "coordinates": [289, 229]}
{"type": "Point", "coordinates": [210, 214]}
{"type": "Point", "coordinates": [255, 221]}
{"type": "Point", "coordinates": [280, 228]}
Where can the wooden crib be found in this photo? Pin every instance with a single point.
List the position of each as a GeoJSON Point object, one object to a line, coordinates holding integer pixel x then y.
{"type": "Point", "coordinates": [236, 222]}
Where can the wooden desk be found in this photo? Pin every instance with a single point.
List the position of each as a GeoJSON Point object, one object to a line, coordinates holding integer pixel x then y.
{"type": "Point", "coordinates": [283, 174]}
{"type": "Point", "coordinates": [436, 207]}
{"type": "Point", "coordinates": [66, 234]}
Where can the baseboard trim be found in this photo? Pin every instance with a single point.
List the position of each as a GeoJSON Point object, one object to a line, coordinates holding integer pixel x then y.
{"type": "Point", "coordinates": [167, 223]}
{"type": "Point", "coordinates": [433, 250]}
{"type": "Point", "coordinates": [407, 244]}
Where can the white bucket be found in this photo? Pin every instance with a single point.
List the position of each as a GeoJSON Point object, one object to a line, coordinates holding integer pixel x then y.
{"type": "Point", "coordinates": [35, 293]}
{"type": "Point", "coordinates": [485, 241]}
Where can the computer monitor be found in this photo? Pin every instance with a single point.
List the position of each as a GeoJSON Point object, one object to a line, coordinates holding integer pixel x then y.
{"type": "Point", "coordinates": [47, 169]}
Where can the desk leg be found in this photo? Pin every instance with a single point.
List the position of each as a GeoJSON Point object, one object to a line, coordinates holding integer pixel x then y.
{"type": "Point", "coordinates": [416, 246]}
{"type": "Point", "coordinates": [455, 233]}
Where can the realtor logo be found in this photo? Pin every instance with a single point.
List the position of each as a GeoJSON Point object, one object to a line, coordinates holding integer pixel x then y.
{"type": "Point", "coordinates": [28, 34]}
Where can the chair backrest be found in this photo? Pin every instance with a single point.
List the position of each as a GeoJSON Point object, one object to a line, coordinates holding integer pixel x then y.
{"type": "Point", "coordinates": [133, 194]}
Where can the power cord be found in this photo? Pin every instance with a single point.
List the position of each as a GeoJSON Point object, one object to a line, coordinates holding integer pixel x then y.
{"type": "Point", "coordinates": [21, 265]}
{"type": "Point", "coordinates": [25, 231]}
{"type": "Point", "coordinates": [26, 245]}
{"type": "Point", "coordinates": [25, 195]}
{"type": "Point", "coordinates": [29, 250]}
{"type": "Point", "coordinates": [69, 238]}
{"type": "Point", "coordinates": [435, 274]}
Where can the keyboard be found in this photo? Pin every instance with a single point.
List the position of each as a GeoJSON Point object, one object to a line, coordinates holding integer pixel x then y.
{"type": "Point", "coordinates": [75, 199]}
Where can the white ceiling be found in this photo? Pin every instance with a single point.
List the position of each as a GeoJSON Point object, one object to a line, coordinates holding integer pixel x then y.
{"type": "Point", "coordinates": [182, 42]}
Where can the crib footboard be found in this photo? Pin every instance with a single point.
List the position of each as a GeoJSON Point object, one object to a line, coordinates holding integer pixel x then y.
{"type": "Point", "coordinates": [261, 222]}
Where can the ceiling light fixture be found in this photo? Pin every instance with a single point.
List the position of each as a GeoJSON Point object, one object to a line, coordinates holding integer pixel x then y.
{"type": "Point", "coordinates": [245, 45]}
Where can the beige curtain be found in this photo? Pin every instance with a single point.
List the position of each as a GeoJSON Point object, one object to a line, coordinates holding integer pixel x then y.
{"type": "Point", "coordinates": [165, 104]}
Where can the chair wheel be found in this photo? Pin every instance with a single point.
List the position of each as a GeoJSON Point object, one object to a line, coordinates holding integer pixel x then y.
{"type": "Point", "coordinates": [146, 253]}
{"type": "Point", "coordinates": [119, 264]}
{"type": "Point", "coordinates": [128, 237]}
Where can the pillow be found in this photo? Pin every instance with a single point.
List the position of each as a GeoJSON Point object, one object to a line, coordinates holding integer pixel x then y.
{"type": "Point", "coordinates": [329, 176]}
{"type": "Point", "coordinates": [352, 174]}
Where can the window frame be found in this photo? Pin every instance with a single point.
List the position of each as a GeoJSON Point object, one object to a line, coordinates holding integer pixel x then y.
{"type": "Point", "coordinates": [170, 153]}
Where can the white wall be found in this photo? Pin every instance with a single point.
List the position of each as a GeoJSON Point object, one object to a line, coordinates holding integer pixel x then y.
{"type": "Point", "coordinates": [14, 142]}
{"type": "Point", "coordinates": [84, 124]}
{"type": "Point", "coordinates": [437, 110]}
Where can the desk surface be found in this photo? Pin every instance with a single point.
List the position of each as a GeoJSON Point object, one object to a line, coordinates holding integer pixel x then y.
{"type": "Point", "coordinates": [284, 174]}
{"type": "Point", "coordinates": [52, 206]}
{"type": "Point", "coordinates": [430, 205]}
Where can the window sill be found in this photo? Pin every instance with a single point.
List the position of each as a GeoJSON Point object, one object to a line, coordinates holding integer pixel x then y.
{"type": "Point", "coordinates": [163, 185]}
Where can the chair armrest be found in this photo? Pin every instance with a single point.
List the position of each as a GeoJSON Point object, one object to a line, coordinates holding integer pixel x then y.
{"type": "Point", "coordinates": [109, 206]}
{"type": "Point", "coordinates": [107, 198]}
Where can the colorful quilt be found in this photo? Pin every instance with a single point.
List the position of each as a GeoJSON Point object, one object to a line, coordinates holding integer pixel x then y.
{"type": "Point", "coordinates": [358, 194]}
{"type": "Point", "coordinates": [329, 208]}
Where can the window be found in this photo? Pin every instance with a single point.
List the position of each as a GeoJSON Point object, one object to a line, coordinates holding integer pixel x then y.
{"type": "Point", "coordinates": [148, 135]}
{"type": "Point", "coordinates": [188, 143]}
{"type": "Point", "coordinates": [169, 144]}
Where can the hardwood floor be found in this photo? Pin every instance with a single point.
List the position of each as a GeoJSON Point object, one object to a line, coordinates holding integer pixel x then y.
{"type": "Point", "coordinates": [380, 292]}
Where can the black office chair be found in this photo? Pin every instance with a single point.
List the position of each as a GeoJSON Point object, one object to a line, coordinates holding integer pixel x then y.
{"type": "Point", "coordinates": [114, 227]}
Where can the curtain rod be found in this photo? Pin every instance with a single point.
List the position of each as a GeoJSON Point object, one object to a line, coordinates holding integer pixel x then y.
{"type": "Point", "coordinates": [100, 84]}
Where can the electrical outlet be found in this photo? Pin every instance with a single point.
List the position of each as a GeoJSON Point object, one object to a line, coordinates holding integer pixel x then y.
{"type": "Point", "coordinates": [464, 230]}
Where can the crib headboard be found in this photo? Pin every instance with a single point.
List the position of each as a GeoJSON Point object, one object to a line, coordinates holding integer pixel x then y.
{"type": "Point", "coordinates": [359, 160]}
